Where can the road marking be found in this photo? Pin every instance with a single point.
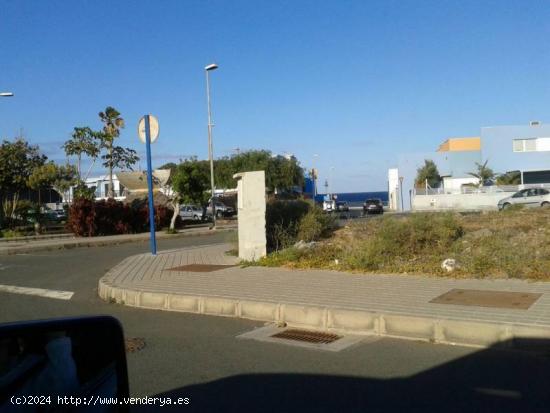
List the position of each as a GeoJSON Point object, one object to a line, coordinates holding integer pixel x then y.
{"type": "Point", "coordinates": [60, 295]}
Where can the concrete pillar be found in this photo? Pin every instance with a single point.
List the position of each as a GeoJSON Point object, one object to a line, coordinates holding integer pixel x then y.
{"type": "Point", "coordinates": [251, 214]}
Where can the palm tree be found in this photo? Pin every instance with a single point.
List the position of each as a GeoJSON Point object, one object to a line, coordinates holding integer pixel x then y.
{"type": "Point", "coordinates": [483, 173]}
{"type": "Point", "coordinates": [112, 124]}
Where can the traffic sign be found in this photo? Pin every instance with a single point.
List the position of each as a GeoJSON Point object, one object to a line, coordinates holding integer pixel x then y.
{"type": "Point", "coordinates": [153, 126]}
{"type": "Point", "coordinates": [148, 131]}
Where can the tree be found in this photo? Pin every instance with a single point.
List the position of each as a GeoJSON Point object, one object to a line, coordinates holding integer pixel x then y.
{"type": "Point", "coordinates": [428, 172]}
{"type": "Point", "coordinates": [50, 175]}
{"type": "Point", "coordinates": [281, 173]}
{"type": "Point", "coordinates": [190, 183]}
{"type": "Point", "coordinates": [122, 158]}
{"type": "Point", "coordinates": [17, 161]}
{"type": "Point", "coordinates": [484, 174]}
{"type": "Point", "coordinates": [84, 141]}
{"type": "Point", "coordinates": [509, 178]}
{"type": "Point", "coordinates": [112, 123]}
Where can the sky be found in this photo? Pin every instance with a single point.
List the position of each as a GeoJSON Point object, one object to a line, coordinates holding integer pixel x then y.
{"type": "Point", "coordinates": [354, 82]}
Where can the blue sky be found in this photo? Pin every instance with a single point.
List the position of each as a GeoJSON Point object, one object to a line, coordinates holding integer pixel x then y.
{"type": "Point", "coordinates": [354, 81]}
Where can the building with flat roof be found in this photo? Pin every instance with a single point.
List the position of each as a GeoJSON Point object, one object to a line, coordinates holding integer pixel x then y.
{"type": "Point", "coordinates": [458, 158]}
{"type": "Point", "coordinates": [524, 149]}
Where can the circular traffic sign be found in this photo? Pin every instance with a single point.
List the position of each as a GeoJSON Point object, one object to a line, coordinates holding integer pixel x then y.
{"type": "Point", "coordinates": [153, 128]}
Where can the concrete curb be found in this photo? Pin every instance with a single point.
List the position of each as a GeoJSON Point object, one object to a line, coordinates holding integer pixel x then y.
{"type": "Point", "coordinates": [429, 329]}
{"type": "Point", "coordinates": [91, 242]}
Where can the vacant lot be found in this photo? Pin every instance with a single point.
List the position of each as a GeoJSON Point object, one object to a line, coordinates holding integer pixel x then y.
{"type": "Point", "coordinates": [509, 244]}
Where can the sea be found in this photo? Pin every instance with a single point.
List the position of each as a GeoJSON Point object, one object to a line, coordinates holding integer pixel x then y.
{"type": "Point", "coordinates": [355, 199]}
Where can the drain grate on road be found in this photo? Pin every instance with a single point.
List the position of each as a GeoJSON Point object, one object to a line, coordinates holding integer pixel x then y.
{"type": "Point", "coordinates": [307, 336]}
{"type": "Point", "coordinates": [488, 298]}
{"type": "Point", "coordinates": [307, 339]}
{"type": "Point", "coordinates": [200, 267]}
{"type": "Point", "coordinates": [134, 344]}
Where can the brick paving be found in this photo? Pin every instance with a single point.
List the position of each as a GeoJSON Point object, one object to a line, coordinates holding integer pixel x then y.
{"type": "Point", "coordinates": [389, 294]}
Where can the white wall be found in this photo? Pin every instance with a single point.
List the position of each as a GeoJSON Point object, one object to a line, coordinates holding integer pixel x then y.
{"type": "Point", "coordinates": [393, 189]}
{"type": "Point", "coordinates": [455, 184]}
{"type": "Point", "coordinates": [461, 202]}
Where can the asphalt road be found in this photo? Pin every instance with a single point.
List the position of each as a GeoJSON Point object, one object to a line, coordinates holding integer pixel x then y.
{"type": "Point", "coordinates": [199, 357]}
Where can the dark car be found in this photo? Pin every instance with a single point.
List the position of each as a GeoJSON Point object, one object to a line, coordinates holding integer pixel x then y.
{"type": "Point", "coordinates": [373, 206]}
{"type": "Point", "coordinates": [342, 206]}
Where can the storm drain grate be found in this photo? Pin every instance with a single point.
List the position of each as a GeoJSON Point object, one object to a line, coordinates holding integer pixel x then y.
{"type": "Point", "coordinates": [134, 344]}
{"type": "Point", "coordinates": [200, 267]}
{"type": "Point", "coordinates": [307, 336]}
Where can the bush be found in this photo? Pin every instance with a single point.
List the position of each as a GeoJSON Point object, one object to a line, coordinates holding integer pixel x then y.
{"type": "Point", "coordinates": [91, 218]}
{"type": "Point", "coordinates": [315, 225]}
{"type": "Point", "coordinates": [294, 220]}
{"type": "Point", "coordinates": [10, 233]}
{"type": "Point", "coordinates": [281, 222]}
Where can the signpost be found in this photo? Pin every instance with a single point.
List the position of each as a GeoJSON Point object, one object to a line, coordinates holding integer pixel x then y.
{"type": "Point", "coordinates": [148, 132]}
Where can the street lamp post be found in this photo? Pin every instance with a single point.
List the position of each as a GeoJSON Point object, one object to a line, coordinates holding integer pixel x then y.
{"type": "Point", "coordinates": [207, 70]}
{"type": "Point", "coordinates": [331, 188]}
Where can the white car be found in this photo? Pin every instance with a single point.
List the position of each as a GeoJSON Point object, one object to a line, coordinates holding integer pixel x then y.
{"type": "Point", "coordinates": [191, 212]}
{"type": "Point", "coordinates": [532, 197]}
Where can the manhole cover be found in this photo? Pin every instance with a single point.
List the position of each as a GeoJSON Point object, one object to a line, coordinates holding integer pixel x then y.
{"type": "Point", "coordinates": [200, 267]}
{"type": "Point", "coordinates": [487, 298]}
{"type": "Point", "coordinates": [134, 344]}
{"type": "Point", "coordinates": [307, 336]}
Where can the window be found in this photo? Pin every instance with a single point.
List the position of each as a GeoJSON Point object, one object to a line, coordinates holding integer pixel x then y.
{"type": "Point", "coordinates": [543, 192]}
{"type": "Point", "coordinates": [531, 145]}
{"type": "Point", "coordinates": [520, 194]}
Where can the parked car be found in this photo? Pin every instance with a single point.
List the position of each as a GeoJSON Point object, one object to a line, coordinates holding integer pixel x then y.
{"type": "Point", "coordinates": [373, 206]}
{"type": "Point", "coordinates": [55, 215]}
{"type": "Point", "coordinates": [531, 197]}
{"type": "Point", "coordinates": [188, 212]}
{"type": "Point", "coordinates": [222, 210]}
{"type": "Point", "coordinates": [342, 206]}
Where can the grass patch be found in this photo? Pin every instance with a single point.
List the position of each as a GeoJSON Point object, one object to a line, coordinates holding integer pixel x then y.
{"type": "Point", "coordinates": [511, 244]}
{"type": "Point", "coordinates": [10, 233]}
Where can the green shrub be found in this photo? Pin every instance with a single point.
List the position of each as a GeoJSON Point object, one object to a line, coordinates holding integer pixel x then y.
{"type": "Point", "coordinates": [315, 225]}
{"type": "Point", "coordinates": [295, 220]}
{"type": "Point", "coordinates": [10, 233]}
{"type": "Point", "coordinates": [282, 220]}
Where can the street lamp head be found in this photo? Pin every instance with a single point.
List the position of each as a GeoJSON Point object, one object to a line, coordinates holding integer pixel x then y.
{"type": "Point", "coordinates": [210, 67]}
{"type": "Point", "coordinates": [6, 94]}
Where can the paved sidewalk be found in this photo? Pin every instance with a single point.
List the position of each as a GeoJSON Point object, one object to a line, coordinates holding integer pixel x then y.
{"type": "Point", "coordinates": [49, 244]}
{"type": "Point", "coordinates": [393, 305]}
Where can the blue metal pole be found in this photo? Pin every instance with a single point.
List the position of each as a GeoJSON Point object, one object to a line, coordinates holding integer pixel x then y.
{"type": "Point", "coordinates": [153, 240]}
